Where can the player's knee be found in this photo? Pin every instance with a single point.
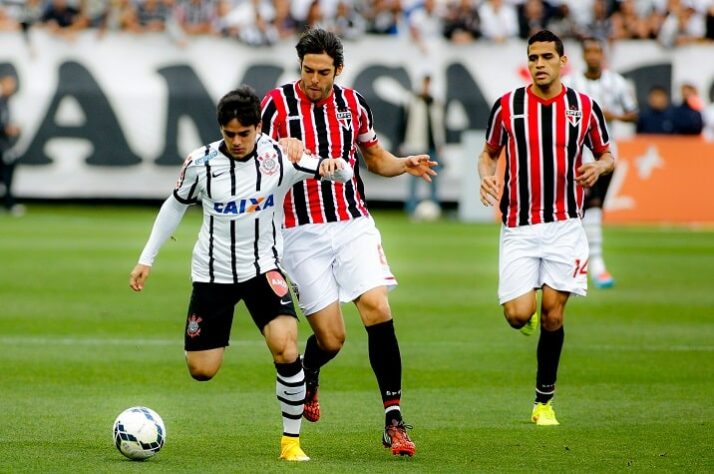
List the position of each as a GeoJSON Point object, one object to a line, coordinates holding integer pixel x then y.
{"type": "Point", "coordinates": [201, 373]}
{"type": "Point", "coordinates": [332, 343]}
{"type": "Point", "coordinates": [375, 311]}
{"type": "Point", "coordinates": [551, 321]}
{"type": "Point", "coordinates": [201, 376]}
{"type": "Point", "coordinates": [286, 355]}
{"type": "Point", "coordinates": [516, 318]}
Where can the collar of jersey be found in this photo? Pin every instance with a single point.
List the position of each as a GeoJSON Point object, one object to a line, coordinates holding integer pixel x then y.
{"type": "Point", "coordinates": [303, 96]}
{"type": "Point", "coordinates": [529, 89]}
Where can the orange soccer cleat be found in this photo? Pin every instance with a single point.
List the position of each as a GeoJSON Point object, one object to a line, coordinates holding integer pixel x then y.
{"type": "Point", "coordinates": [396, 437]}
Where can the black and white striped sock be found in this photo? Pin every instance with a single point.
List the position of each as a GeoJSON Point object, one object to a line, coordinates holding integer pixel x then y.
{"type": "Point", "coordinates": [290, 390]}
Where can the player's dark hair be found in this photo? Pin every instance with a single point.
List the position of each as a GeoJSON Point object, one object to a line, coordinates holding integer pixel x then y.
{"type": "Point", "coordinates": [242, 104]}
{"type": "Point", "coordinates": [547, 36]}
{"type": "Point", "coordinates": [592, 39]}
{"type": "Point", "coordinates": [318, 41]}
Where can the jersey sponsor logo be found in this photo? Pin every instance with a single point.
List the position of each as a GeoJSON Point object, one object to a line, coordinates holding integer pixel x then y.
{"type": "Point", "coordinates": [344, 116]}
{"type": "Point", "coordinates": [573, 115]}
{"type": "Point", "coordinates": [277, 283]}
{"type": "Point", "coordinates": [268, 162]}
{"type": "Point", "coordinates": [244, 206]}
{"type": "Point", "coordinates": [206, 158]}
{"type": "Point", "coordinates": [193, 329]}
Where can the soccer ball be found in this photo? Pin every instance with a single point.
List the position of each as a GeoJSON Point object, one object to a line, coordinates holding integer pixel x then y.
{"type": "Point", "coordinates": [427, 210]}
{"type": "Point", "coordinates": [139, 433]}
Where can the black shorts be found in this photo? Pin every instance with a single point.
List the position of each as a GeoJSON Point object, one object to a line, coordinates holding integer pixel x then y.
{"type": "Point", "coordinates": [595, 196]}
{"type": "Point", "coordinates": [210, 312]}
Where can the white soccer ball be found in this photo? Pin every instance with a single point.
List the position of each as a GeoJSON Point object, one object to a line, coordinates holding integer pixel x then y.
{"type": "Point", "coordinates": [427, 210]}
{"type": "Point", "coordinates": [139, 433]}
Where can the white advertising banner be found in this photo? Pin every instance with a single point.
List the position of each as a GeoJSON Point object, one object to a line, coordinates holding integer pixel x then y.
{"type": "Point", "coordinates": [113, 116]}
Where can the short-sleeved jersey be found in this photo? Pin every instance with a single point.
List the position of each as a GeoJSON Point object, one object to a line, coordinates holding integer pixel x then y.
{"type": "Point", "coordinates": [333, 127]}
{"type": "Point", "coordinates": [610, 91]}
{"type": "Point", "coordinates": [239, 238]}
{"type": "Point", "coordinates": [544, 140]}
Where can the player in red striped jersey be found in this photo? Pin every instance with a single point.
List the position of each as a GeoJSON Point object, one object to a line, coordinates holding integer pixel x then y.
{"type": "Point", "coordinates": [543, 128]}
{"type": "Point", "coordinates": [333, 250]}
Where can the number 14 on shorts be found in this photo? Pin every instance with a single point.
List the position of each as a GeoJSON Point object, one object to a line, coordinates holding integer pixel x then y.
{"type": "Point", "coordinates": [581, 267]}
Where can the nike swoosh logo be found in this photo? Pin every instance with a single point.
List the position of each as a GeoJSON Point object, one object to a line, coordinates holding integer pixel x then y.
{"type": "Point", "coordinates": [216, 175]}
{"type": "Point", "coordinates": [290, 393]}
{"type": "Point", "coordinates": [283, 302]}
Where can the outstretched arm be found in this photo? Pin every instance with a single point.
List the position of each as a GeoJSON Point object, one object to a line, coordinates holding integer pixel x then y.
{"type": "Point", "coordinates": [332, 169]}
{"type": "Point", "coordinates": [166, 222]}
{"type": "Point", "coordinates": [380, 161]}
{"type": "Point", "coordinates": [487, 164]}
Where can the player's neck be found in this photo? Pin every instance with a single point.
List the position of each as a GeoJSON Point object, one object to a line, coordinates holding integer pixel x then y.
{"type": "Point", "coordinates": [547, 92]}
{"type": "Point", "coordinates": [593, 74]}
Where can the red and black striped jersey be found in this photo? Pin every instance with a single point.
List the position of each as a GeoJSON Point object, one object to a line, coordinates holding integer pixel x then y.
{"type": "Point", "coordinates": [333, 127]}
{"type": "Point", "coordinates": [544, 141]}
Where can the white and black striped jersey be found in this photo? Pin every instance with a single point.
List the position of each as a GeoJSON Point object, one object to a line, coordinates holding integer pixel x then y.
{"type": "Point", "coordinates": [242, 203]}
{"type": "Point", "coordinates": [611, 91]}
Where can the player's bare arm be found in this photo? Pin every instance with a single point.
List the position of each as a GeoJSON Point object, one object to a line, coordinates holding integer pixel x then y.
{"type": "Point", "coordinates": [380, 161]}
{"type": "Point", "coordinates": [138, 276]}
{"type": "Point", "coordinates": [589, 173]}
{"type": "Point", "coordinates": [487, 164]}
{"type": "Point", "coordinates": [293, 148]}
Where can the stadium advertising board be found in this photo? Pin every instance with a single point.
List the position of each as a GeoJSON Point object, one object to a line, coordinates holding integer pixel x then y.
{"type": "Point", "coordinates": [114, 116]}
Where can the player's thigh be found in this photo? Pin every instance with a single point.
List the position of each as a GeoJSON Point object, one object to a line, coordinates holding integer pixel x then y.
{"type": "Point", "coordinates": [518, 263]}
{"type": "Point", "coordinates": [267, 296]}
{"type": "Point", "coordinates": [281, 337]}
{"type": "Point", "coordinates": [361, 263]}
{"type": "Point", "coordinates": [308, 258]}
{"type": "Point", "coordinates": [565, 257]}
{"type": "Point", "coordinates": [210, 316]}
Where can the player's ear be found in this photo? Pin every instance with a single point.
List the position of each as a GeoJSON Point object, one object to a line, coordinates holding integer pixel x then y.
{"type": "Point", "coordinates": [563, 60]}
{"type": "Point", "coordinates": [338, 71]}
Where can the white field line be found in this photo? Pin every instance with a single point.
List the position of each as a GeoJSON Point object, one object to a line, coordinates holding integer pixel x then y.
{"type": "Point", "coordinates": [95, 341]}
{"type": "Point", "coordinates": [178, 341]}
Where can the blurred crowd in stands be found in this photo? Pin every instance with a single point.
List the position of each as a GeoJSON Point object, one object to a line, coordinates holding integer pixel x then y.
{"type": "Point", "coordinates": [264, 22]}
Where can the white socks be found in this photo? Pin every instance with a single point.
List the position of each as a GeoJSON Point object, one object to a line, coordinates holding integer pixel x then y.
{"type": "Point", "coordinates": [592, 222]}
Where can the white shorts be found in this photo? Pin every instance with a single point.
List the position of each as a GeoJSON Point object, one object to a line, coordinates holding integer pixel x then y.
{"type": "Point", "coordinates": [553, 254]}
{"type": "Point", "coordinates": [336, 260]}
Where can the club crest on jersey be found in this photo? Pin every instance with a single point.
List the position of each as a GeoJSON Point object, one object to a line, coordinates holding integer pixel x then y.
{"type": "Point", "coordinates": [193, 328]}
{"type": "Point", "coordinates": [268, 162]}
{"type": "Point", "coordinates": [277, 283]}
{"type": "Point", "coordinates": [244, 206]}
{"type": "Point", "coordinates": [573, 115]}
{"type": "Point", "coordinates": [345, 118]}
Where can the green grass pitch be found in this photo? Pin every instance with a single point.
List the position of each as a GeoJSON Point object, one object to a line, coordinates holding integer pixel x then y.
{"type": "Point", "coordinates": [635, 391]}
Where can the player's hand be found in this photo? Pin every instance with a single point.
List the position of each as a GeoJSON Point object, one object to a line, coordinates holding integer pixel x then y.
{"type": "Point", "coordinates": [489, 190]}
{"type": "Point", "coordinates": [420, 166]}
{"type": "Point", "coordinates": [588, 174]}
{"type": "Point", "coordinates": [293, 148]}
{"type": "Point", "coordinates": [330, 166]}
{"type": "Point", "coordinates": [138, 276]}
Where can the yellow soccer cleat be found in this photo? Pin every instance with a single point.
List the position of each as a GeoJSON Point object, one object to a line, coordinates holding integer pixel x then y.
{"type": "Point", "coordinates": [530, 327]}
{"type": "Point", "coordinates": [290, 449]}
{"type": "Point", "coordinates": [544, 415]}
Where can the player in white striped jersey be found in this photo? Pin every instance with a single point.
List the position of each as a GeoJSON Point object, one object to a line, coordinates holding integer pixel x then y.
{"type": "Point", "coordinates": [612, 92]}
{"type": "Point", "coordinates": [241, 182]}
